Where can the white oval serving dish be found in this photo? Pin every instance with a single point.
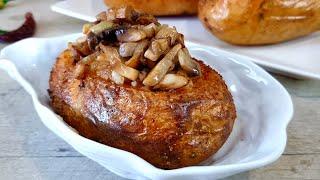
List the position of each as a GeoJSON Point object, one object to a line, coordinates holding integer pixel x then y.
{"type": "Point", "coordinates": [264, 109]}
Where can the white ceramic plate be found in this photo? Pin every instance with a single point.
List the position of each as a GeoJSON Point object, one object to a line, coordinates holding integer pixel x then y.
{"type": "Point", "coordinates": [298, 58]}
{"type": "Point", "coordinates": [264, 109]}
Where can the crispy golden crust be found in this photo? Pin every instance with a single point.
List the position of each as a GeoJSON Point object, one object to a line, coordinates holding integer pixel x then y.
{"type": "Point", "coordinates": [169, 129]}
{"type": "Point", "coordinates": [254, 22]}
{"type": "Point", "coordinates": [158, 7]}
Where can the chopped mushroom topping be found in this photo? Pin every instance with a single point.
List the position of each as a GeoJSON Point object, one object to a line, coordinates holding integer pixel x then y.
{"type": "Point", "coordinates": [132, 35]}
{"type": "Point", "coordinates": [157, 48]}
{"type": "Point", "coordinates": [125, 13]}
{"type": "Point", "coordinates": [163, 66]}
{"type": "Point", "coordinates": [126, 71]}
{"type": "Point", "coordinates": [117, 78]}
{"type": "Point", "coordinates": [138, 49]}
{"type": "Point", "coordinates": [187, 63]}
{"type": "Point", "coordinates": [134, 61]}
{"type": "Point", "coordinates": [168, 32]}
{"type": "Point", "coordinates": [118, 66]}
{"type": "Point", "coordinates": [150, 30]}
{"type": "Point", "coordinates": [99, 28]}
{"type": "Point", "coordinates": [127, 49]}
{"type": "Point", "coordinates": [172, 81]}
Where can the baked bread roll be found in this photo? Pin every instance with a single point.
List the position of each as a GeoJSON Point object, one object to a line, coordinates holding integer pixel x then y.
{"type": "Point", "coordinates": [256, 22]}
{"type": "Point", "coordinates": [158, 7]}
{"type": "Point", "coordinates": [130, 83]}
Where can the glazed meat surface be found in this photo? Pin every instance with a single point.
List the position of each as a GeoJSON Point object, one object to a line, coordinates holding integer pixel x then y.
{"type": "Point", "coordinates": [256, 22]}
{"type": "Point", "coordinates": [169, 129]}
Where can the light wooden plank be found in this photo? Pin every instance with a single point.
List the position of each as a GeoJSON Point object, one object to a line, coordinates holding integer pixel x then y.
{"type": "Point", "coordinates": [290, 167]}
{"type": "Point", "coordinates": [301, 88]}
{"type": "Point", "coordinates": [304, 129]}
{"type": "Point", "coordinates": [21, 131]}
{"type": "Point", "coordinates": [53, 168]}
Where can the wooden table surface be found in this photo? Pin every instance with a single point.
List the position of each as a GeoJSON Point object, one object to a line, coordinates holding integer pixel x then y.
{"type": "Point", "coordinates": [28, 150]}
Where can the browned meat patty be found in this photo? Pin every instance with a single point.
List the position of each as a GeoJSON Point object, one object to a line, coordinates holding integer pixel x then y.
{"type": "Point", "coordinates": [169, 129]}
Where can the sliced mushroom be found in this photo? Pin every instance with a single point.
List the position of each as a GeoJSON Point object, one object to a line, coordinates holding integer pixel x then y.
{"type": "Point", "coordinates": [111, 54]}
{"type": "Point", "coordinates": [132, 35]}
{"type": "Point", "coordinates": [163, 66]}
{"type": "Point", "coordinates": [172, 81]}
{"type": "Point", "coordinates": [180, 39]}
{"type": "Point", "coordinates": [150, 30]}
{"type": "Point", "coordinates": [88, 59]}
{"type": "Point", "coordinates": [168, 32]}
{"type": "Point", "coordinates": [127, 49]}
{"type": "Point", "coordinates": [86, 28]}
{"type": "Point", "coordinates": [146, 19]}
{"type": "Point", "coordinates": [187, 63]}
{"type": "Point", "coordinates": [125, 13]}
{"type": "Point", "coordinates": [117, 78]}
{"type": "Point", "coordinates": [157, 48]}
{"type": "Point", "coordinates": [111, 14]}
{"type": "Point", "coordinates": [102, 26]}
{"type": "Point", "coordinates": [102, 16]}
{"type": "Point", "coordinates": [126, 71]}
{"type": "Point", "coordinates": [80, 48]}
{"type": "Point", "coordinates": [134, 61]}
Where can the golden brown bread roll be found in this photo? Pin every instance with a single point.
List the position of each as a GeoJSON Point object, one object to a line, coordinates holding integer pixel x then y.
{"type": "Point", "coordinates": [255, 22]}
{"type": "Point", "coordinates": [158, 7]}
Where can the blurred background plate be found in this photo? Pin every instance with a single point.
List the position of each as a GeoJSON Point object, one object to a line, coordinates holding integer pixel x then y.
{"type": "Point", "coordinates": [297, 58]}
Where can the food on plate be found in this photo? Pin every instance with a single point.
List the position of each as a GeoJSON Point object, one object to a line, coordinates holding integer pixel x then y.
{"type": "Point", "coordinates": [27, 29]}
{"type": "Point", "coordinates": [254, 22]}
{"type": "Point", "coordinates": [131, 83]}
{"type": "Point", "coordinates": [158, 7]}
